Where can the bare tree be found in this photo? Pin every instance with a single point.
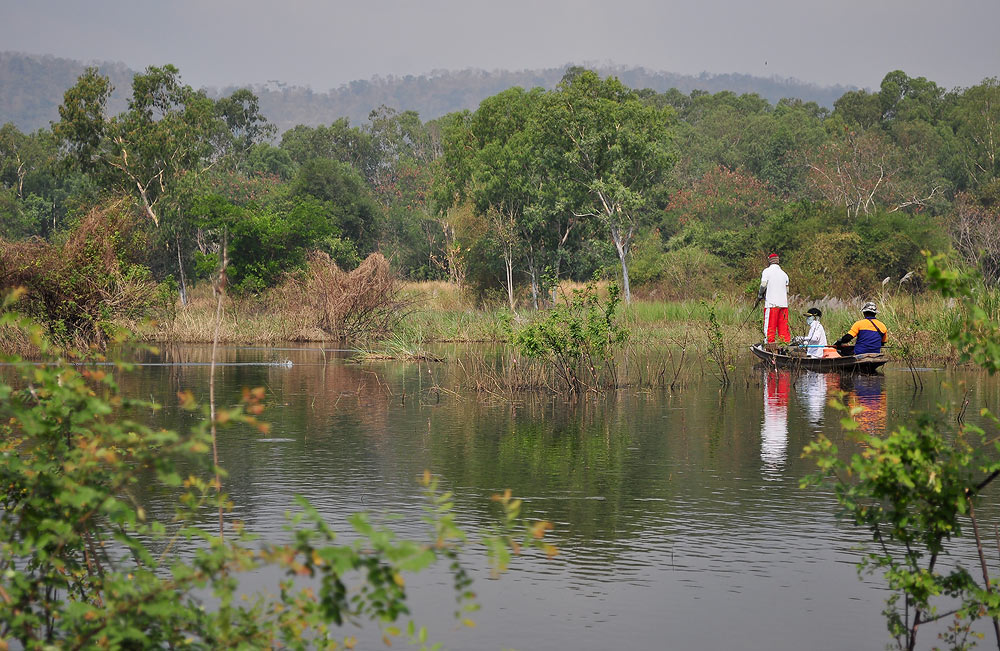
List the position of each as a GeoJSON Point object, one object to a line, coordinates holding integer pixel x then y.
{"type": "Point", "coordinates": [858, 172]}
{"type": "Point", "coordinates": [975, 234]}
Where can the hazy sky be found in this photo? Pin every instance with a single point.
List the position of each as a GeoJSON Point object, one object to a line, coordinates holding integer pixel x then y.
{"type": "Point", "coordinates": [323, 44]}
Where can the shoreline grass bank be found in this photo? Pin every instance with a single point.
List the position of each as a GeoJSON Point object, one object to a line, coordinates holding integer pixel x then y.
{"type": "Point", "coordinates": [441, 313]}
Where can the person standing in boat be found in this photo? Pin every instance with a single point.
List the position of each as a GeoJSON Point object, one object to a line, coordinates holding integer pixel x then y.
{"type": "Point", "coordinates": [774, 291]}
{"type": "Point", "coordinates": [871, 332]}
{"type": "Point", "coordinates": [815, 340]}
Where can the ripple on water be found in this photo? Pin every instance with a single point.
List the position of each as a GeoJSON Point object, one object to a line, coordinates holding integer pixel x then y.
{"type": "Point", "coordinates": [670, 513]}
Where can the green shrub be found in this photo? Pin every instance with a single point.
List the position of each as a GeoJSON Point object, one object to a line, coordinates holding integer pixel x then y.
{"type": "Point", "coordinates": [577, 339]}
{"type": "Point", "coordinates": [262, 243]}
{"type": "Point", "coordinates": [687, 273]}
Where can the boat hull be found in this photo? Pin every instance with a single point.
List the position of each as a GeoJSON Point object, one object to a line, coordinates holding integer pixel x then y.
{"type": "Point", "coordinates": [868, 363]}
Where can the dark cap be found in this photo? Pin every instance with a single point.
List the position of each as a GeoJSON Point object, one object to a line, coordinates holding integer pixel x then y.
{"type": "Point", "coordinates": [813, 311]}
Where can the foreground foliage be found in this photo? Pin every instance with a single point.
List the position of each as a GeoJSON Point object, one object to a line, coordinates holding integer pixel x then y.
{"type": "Point", "coordinates": [916, 489]}
{"type": "Point", "coordinates": [83, 563]}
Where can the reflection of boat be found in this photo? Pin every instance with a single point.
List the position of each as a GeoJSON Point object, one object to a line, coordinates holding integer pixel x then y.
{"type": "Point", "coordinates": [868, 393]}
{"type": "Point", "coordinates": [867, 363]}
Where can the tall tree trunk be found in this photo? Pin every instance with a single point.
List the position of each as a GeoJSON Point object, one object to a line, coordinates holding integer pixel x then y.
{"type": "Point", "coordinates": [622, 242]}
{"type": "Point", "coordinates": [180, 268]}
{"type": "Point", "coordinates": [21, 173]}
{"type": "Point", "coordinates": [533, 271]}
{"type": "Point", "coordinates": [508, 259]}
{"type": "Point", "coordinates": [147, 204]}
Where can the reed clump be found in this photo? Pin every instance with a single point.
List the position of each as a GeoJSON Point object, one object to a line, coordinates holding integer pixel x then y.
{"type": "Point", "coordinates": [508, 376]}
{"type": "Point", "coordinates": [396, 348]}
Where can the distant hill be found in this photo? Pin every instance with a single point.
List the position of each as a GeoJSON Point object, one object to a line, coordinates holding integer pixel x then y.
{"type": "Point", "coordinates": [32, 87]}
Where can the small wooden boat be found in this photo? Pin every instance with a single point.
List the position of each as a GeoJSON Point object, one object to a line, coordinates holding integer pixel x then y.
{"type": "Point", "coordinates": [780, 357]}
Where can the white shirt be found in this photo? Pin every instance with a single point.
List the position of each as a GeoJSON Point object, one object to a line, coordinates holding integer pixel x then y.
{"type": "Point", "coordinates": [776, 282]}
{"type": "Point", "coordinates": [816, 338]}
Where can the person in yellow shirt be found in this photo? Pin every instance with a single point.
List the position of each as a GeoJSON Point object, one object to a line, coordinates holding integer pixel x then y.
{"type": "Point", "coordinates": [871, 332]}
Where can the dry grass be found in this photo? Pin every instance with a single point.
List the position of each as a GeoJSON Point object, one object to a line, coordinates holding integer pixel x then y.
{"type": "Point", "coordinates": [15, 342]}
{"type": "Point", "coordinates": [354, 304]}
{"type": "Point", "coordinates": [323, 303]}
{"type": "Point", "coordinates": [436, 295]}
{"type": "Point", "coordinates": [442, 313]}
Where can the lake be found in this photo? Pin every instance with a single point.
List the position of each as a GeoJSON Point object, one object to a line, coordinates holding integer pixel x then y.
{"type": "Point", "coordinates": [678, 516]}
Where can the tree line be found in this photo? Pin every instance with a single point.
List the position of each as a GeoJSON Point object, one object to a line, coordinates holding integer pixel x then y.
{"type": "Point", "coordinates": [676, 194]}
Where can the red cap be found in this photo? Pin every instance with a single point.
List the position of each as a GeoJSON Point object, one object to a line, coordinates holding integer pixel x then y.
{"type": "Point", "coordinates": [773, 255]}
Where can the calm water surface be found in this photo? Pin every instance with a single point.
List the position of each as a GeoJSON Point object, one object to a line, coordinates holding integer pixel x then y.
{"type": "Point", "coordinates": [678, 517]}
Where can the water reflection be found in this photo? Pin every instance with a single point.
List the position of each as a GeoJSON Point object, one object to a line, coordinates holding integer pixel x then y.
{"type": "Point", "coordinates": [673, 511]}
{"type": "Point", "coordinates": [812, 389]}
{"type": "Point", "coordinates": [867, 392]}
{"type": "Point", "coordinates": [774, 429]}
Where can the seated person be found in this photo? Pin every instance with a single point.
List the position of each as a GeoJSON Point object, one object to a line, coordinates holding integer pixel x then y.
{"type": "Point", "coordinates": [815, 340]}
{"type": "Point", "coordinates": [871, 332]}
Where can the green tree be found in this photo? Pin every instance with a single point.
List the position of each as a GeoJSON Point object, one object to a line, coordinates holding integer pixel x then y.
{"type": "Point", "coordinates": [339, 141]}
{"type": "Point", "coordinates": [260, 243]}
{"type": "Point", "coordinates": [346, 199]}
{"type": "Point", "coordinates": [452, 172]}
{"type": "Point", "coordinates": [975, 117]}
{"type": "Point", "coordinates": [902, 97]}
{"type": "Point", "coordinates": [771, 147]}
{"type": "Point", "coordinates": [858, 109]}
{"type": "Point", "coordinates": [617, 149]}
{"type": "Point", "coordinates": [20, 154]}
{"type": "Point", "coordinates": [246, 127]}
{"type": "Point", "coordinates": [398, 139]}
{"type": "Point", "coordinates": [36, 188]}
{"type": "Point", "coordinates": [504, 172]}
{"type": "Point", "coordinates": [168, 131]}
{"type": "Point", "coordinates": [264, 158]}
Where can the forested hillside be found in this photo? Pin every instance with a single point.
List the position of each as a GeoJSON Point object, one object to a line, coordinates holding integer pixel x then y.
{"type": "Point", "coordinates": [31, 89]}
{"type": "Point", "coordinates": [443, 92]}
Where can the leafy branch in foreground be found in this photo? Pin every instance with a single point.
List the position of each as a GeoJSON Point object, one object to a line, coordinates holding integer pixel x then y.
{"type": "Point", "coordinates": [916, 489]}
{"type": "Point", "coordinates": [83, 565]}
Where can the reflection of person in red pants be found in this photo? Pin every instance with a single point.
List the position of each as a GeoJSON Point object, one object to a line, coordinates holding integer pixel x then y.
{"type": "Point", "coordinates": [774, 291]}
{"type": "Point", "coordinates": [774, 429]}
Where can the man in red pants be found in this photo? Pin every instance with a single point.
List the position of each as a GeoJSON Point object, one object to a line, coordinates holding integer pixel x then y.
{"type": "Point", "coordinates": [774, 291]}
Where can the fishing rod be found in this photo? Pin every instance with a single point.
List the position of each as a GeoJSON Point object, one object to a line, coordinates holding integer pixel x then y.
{"type": "Point", "coordinates": [750, 313]}
{"type": "Point", "coordinates": [827, 346]}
